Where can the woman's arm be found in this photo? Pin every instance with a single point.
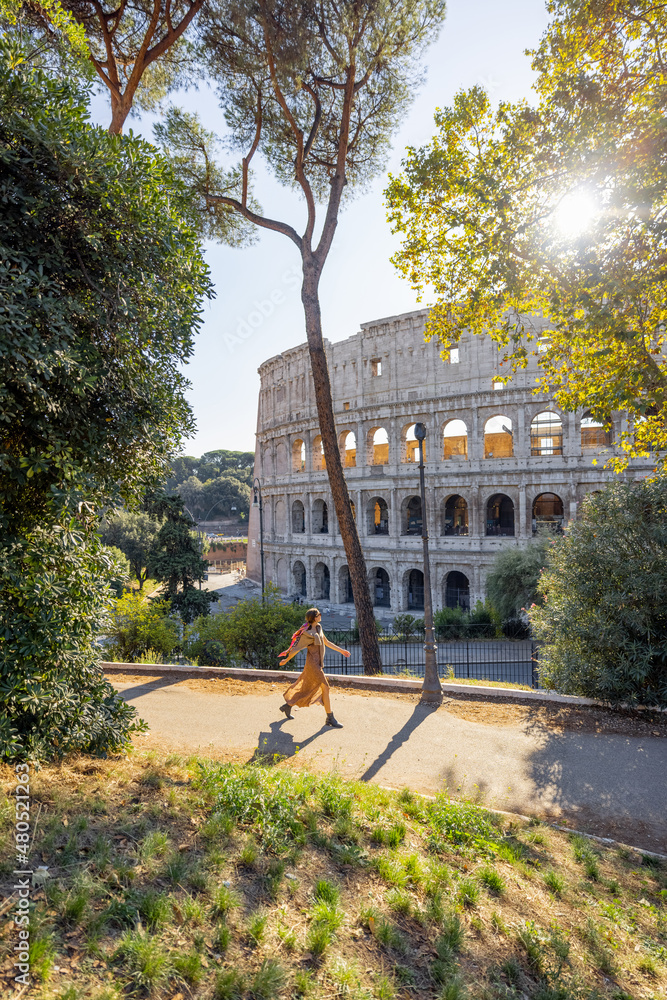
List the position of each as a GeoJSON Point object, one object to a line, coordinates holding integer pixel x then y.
{"type": "Point", "coordinates": [333, 646]}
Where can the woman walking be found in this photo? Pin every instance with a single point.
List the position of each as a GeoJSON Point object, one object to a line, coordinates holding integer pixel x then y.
{"type": "Point", "coordinates": [311, 686]}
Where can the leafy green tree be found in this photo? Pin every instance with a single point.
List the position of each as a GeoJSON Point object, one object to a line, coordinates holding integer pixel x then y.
{"type": "Point", "coordinates": [176, 559]}
{"type": "Point", "coordinates": [556, 209]}
{"type": "Point", "coordinates": [54, 599]}
{"type": "Point", "coordinates": [603, 623]}
{"type": "Point", "coordinates": [134, 534]}
{"type": "Point", "coordinates": [123, 573]}
{"type": "Point", "coordinates": [139, 625]}
{"type": "Point", "coordinates": [316, 90]}
{"type": "Point", "coordinates": [512, 581]}
{"type": "Point", "coordinates": [253, 632]}
{"type": "Point", "coordinates": [101, 283]}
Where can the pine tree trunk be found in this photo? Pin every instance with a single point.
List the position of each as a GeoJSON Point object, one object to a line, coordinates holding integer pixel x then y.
{"type": "Point", "coordinates": [370, 648]}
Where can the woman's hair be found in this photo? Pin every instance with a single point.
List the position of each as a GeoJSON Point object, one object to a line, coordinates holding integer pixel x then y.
{"type": "Point", "coordinates": [311, 615]}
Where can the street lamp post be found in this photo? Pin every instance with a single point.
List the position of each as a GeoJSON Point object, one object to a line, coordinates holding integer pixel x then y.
{"type": "Point", "coordinates": [257, 502]}
{"type": "Point", "coordinates": [431, 689]}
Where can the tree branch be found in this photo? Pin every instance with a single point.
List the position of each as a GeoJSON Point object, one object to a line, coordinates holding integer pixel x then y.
{"type": "Point", "coordinates": [246, 159]}
{"type": "Point", "coordinates": [258, 220]}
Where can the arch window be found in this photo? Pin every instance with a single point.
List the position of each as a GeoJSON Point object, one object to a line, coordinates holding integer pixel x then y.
{"type": "Point", "coordinates": [349, 450]}
{"type": "Point", "coordinates": [416, 590]}
{"type": "Point", "coordinates": [455, 440]}
{"type": "Point", "coordinates": [413, 517]}
{"type": "Point", "coordinates": [548, 510]}
{"type": "Point", "coordinates": [319, 463]}
{"type": "Point", "coordinates": [378, 517]}
{"type": "Point", "coordinates": [546, 434]}
{"type": "Point", "coordinates": [345, 586]}
{"type": "Point", "coordinates": [455, 516]}
{"type": "Point", "coordinates": [279, 523]}
{"type": "Point", "coordinates": [379, 442]}
{"type": "Point", "coordinates": [322, 582]}
{"type": "Point", "coordinates": [298, 518]}
{"type": "Point", "coordinates": [298, 456]}
{"type": "Point", "coordinates": [299, 578]}
{"type": "Point", "coordinates": [457, 590]}
{"type": "Point", "coordinates": [412, 445]}
{"type": "Point", "coordinates": [593, 433]}
{"type": "Point", "coordinates": [382, 589]}
{"type": "Point", "coordinates": [498, 438]}
{"type": "Point", "coordinates": [500, 515]}
{"type": "Point", "coordinates": [320, 520]}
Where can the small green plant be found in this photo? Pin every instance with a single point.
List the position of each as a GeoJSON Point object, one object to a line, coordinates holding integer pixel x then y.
{"type": "Point", "coordinates": [586, 856]}
{"type": "Point", "coordinates": [304, 982]}
{"type": "Point", "coordinates": [467, 892]}
{"type": "Point", "coordinates": [154, 845]}
{"type": "Point", "coordinates": [288, 938]}
{"type": "Point", "coordinates": [453, 989]}
{"type": "Point", "coordinates": [248, 856]}
{"type": "Point", "coordinates": [318, 939]}
{"type": "Point", "coordinates": [256, 929]}
{"type": "Point", "coordinates": [268, 981]}
{"type": "Point", "coordinates": [327, 892]}
{"type": "Point", "coordinates": [452, 931]}
{"type": "Point", "coordinates": [221, 938]}
{"type": "Point", "coordinates": [493, 881]}
{"type": "Point", "coordinates": [154, 908]}
{"type": "Point", "coordinates": [384, 988]}
{"type": "Point", "coordinates": [388, 935]}
{"type": "Point", "coordinates": [224, 901]}
{"type": "Point", "coordinates": [189, 968]}
{"type": "Point", "coordinates": [498, 923]}
{"type": "Point", "coordinates": [554, 882]}
{"type": "Point", "coordinates": [648, 967]}
{"type": "Point", "coordinates": [146, 963]}
{"type": "Point", "coordinates": [399, 901]}
{"type": "Point", "coordinates": [229, 985]}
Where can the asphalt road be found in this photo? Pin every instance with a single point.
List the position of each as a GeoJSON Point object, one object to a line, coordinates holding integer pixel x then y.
{"type": "Point", "coordinates": [607, 784]}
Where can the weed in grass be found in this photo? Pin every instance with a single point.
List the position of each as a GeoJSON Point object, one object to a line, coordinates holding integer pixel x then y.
{"type": "Point", "coordinates": [477, 924]}
{"type": "Point", "coordinates": [229, 985]}
{"type": "Point", "coordinates": [75, 904]}
{"type": "Point", "coordinates": [175, 869]}
{"type": "Point", "coordinates": [438, 877]}
{"type": "Point", "coordinates": [368, 916]}
{"type": "Point", "coordinates": [154, 845]}
{"type": "Point", "coordinates": [256, 929]}
{"type": "Point", "coordinates": [452, 931]}
{"type": "Point", "coordinates": [529, 937]}
{"type": "Point", "coordinates": [121, 913]}
{"type": "Point", "coordinates": [586, 856]}
{"type": "Point", "coordinates": [269, 980]}
{"type": "Point", "coordinates": [453, 989]}
{"type": "Point", "coordinates": [614, 887]}
{"type": "Point", "coordinates": [146, 964]}
{"type": "Point", "coordinates": [554, 882]}
{"type": "Point", "coordinates": [348, 854]}
{"type": "Point", "coordinates": [389, 935]}
{"type": "Point", "coordinates": [100, 853]}
{"type": "Point", "coordinates": [151, 778]}
{"type": "Point", "coordinates": [318, 939]}
{"type": "Point", "coordinates": [648, 967]}
{"type": "Point", "coordinates": [248, 856]}
{"type": "Point", "coordinates": [498, 923]}
{"type": "Point", "coordinates": [467, 892]}
{"type": "Point", "coordinates": [218, 828]}
{"type": "Point", "coordinates": [192, 911]}
{"type": "Point", "coordinates": [197, 878]}
{"type": "Point", "coordinates": [347, 981]}
{"type": "Point", "coordinates": [384, 988]}
{"type": "Point", "coordinates": [345, 830]}
{"type": "Point", "coordinates": [155, 908]}
{"type": "Point", "coordinates": [189, 968]}
{"type": "Point", "coordinates": [512, 850]}
{"type": "Point", "coordinates": [598, 948]}
{"type": "Point", "coordinates": [336, 802]}
{"type": "Point", "coordinates": [404, 976]}
{"type": "Point", "coordinates": [390, 869]}
{"type": "Point", "coordinates": [304, 983]}
{"type": "Point", "coordinates": [287, 937]}
{"type": "Point", "coordinates": [327, 892]}
{"type": "Point", "coordinates": [512, 970]}
{"type": "Point", "coordinates": [399, 901]}
{"type": "Point", "coordinates": [327, 915]}
{"type": "Point", "coordinates": [434, 911]}
{"type": "Point", "coordinates": [493, 881]}
{"type": "Point", "coordinates": [395, 834]}
{"type": "Point", "coordinates": [591, 868]}
{"type": "Point", "coordinates": [41, 954]}
{"type": "Point", "coordinates": [224, 901]}
{"type": "Point", "coordinates": [221, 938]}
{"type": "Point", "coordinates": [378, 836]}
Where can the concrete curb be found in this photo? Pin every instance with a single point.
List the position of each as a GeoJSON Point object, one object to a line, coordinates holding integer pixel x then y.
{"type": "Point", "coordinates": [362, 683]}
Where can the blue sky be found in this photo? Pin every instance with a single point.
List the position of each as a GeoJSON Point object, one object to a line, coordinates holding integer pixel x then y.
{"type": "Point", "coordinates": [257, 310]}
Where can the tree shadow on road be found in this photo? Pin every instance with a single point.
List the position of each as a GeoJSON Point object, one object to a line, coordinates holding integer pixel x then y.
{"type": "Point", "coordinates": [419, 715]}
{"type": "Point", "coordinates": [148, 686]}
{"type": "Point", "coordinates": [276, 745]}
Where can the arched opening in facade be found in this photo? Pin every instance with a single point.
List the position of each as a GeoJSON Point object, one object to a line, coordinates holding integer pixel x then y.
{"type": "Point", "coordinates": [548, 511]}
{"type": "Point", "coordinates": [298, 518]}
{"type": "Point", "coordinates": [500, 515]}
{"type": "Point", "coordinates": [349, 449]}
{"type": "Point", "coordinates": [298, 456]}
{"type": "Point", "coordinates": [381, 588]}
{"type": "Point", "coordinates": [457, 590]}
{"type": "Point", "coordinates": [455, 516]}
{"type": "Point", "coordinates": [498, 441]}
{"type": "Point", "coordinates": [455, 440]}
{"type": "Point", "coordinates": [281, 458]}
{"type": "Point", "coordinates": [322, 582]}
{"type": "Point", "coordinates": [320, 518]}
{"type": "Point", "coordinates": [378, 442]}
{"type": "Point", "coordinates": [279, 524]}
{"type": "Point", "coordinates": [267, 462]}
{"type": "Point", "coordinates": [299, 578]}
{"type": "Point", "coordinates": [546, 434]}
{"type": "Point", "coordinates": [378, 516]}
{"type": "Point", "coordinates": [281, 574]}
{"type": "Point", "coordinates": [411, 445]}
{"type": "Point", "coordinates": [416, 590]}
{"type": "Point", "coordinates": [319, 463]}
{"type": "Point", "coordinates": [412, 516]}
{"type": "Point", "coordinates": [593, 433]}
{"type": "Point", "coordinates": [345, 586]}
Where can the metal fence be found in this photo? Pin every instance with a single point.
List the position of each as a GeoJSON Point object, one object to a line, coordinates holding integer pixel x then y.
{"type": "Point", "coordinates": [472, 651]}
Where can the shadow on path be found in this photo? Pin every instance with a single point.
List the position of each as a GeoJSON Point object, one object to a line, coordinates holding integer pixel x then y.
{"type": "Point", "coordinates": [279, 744]}
{"type": "Point", "coordinates": [141, 689]}
{"type": "Point", "coordinates": [420, 713]}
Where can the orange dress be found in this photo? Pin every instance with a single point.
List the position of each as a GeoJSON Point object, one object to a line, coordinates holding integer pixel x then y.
{"type": "Point", "coordinates": [311, 684]}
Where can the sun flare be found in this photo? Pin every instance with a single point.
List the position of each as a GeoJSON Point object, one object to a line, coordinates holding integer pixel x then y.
{"type": "Point", "coordinates": [575, 213]}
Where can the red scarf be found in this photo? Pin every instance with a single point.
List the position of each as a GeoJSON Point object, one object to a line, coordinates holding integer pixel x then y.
{"type": "Point", "coordinates": [295, 638]}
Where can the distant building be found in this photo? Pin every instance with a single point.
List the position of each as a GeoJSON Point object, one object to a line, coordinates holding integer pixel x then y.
{"type": "Point", "coordinates": [500, 461]}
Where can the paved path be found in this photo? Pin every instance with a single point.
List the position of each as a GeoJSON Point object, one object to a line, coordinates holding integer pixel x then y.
{"type": "Point", "coordinates": [607, 784]}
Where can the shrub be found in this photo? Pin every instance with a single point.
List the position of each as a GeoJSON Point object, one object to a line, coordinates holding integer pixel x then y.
{"type": "Point", "coordinates": [406, 626]}
{"type": "Point", "coordinates": [512, 582]}
{"type": "Point", "coordinates": [139, 624]}
{"type": "Point", "coordinates": [605, 614]}
{"type": "Point", "coordinates": [450, 623]}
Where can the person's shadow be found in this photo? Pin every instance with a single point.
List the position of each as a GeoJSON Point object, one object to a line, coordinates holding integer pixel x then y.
{"type": "Point", "coordinates": [276, 745]}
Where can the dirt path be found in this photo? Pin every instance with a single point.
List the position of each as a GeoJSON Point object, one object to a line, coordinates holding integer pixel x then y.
{"type": "Point", "coordinates": [601, 771]}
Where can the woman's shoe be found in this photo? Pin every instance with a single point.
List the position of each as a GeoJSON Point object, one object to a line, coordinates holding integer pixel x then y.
{"type": "Point", "coordinates": [332, 722]}
{"type": "Point", "coordinates": [287, 709]}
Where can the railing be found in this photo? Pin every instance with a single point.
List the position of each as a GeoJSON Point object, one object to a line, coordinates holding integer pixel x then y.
{"type": "Point", "coordinates": [463, 651]}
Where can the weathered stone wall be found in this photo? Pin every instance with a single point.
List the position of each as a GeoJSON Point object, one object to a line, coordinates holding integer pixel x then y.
{"type": "Point", "coordinates": [387, 377]}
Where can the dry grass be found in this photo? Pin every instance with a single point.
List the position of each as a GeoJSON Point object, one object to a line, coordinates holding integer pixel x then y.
{"type": "Point", "coordinates": [173, 876]}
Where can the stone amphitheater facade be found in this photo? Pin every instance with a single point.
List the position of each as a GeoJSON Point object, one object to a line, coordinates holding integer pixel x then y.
{"type": "Point", "coordinates": [500, 460]}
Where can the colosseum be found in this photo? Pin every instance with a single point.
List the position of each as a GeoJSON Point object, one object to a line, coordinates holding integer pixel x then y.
{"type": "Point", "coordinates": [500, 461]}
